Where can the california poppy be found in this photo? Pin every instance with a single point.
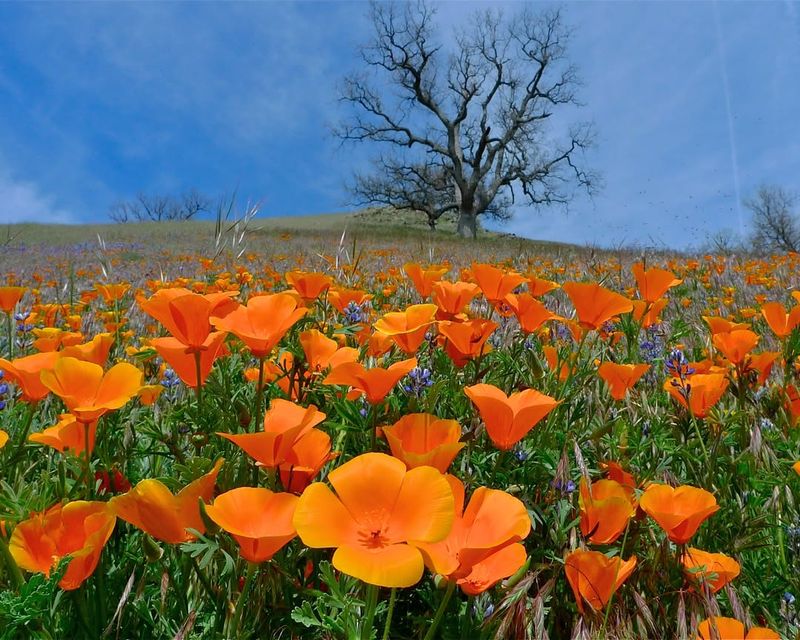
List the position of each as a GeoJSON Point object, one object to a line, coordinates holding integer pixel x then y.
{"type": "Point", "coordinates": [112, 292]}
{"type": "Point", "coordinates": [259, 520]}
{"type": "Point", "coordinates": [466, 340]}
{"type": "Point", "coordinates": [9, 297]}
{"type": "Point", "coordinates": [781, 322]}
{"type": "Point", "coordinates": [263, 322]}
{"type": "Point", "coordinates": [621, 377]}
{"type": "Point", "coordinates": [310, 285]}
{"type": "Point", "coordinates": [53, 338]}
{"type": "Point", "coordinates": [25, 373]}
{"type": "Point", "coordinates": [495, 283]}
{"type": "Point", "coordinates": [379, 512]}
{"type": "Point", "coordinates": [719, 628]}
{"type": "Point", "coordinates": [77, 530]}
{"type": "Point", "coordinates": [342, 298]}
{"type": "Point", "coordinates": [303, 461]}
{"type": "Point", "coordinates": [151, 507]}
{"type": "Point", "coordinates": [284, 424]}
{"type": "Point", "coordinates": [605, 508]}
{"type": "Point", "coordinates": [95, 350]}
{"type": "Point", "coordinates": [452, 297]}
{"type": "Point", "coordinates": [712, 569]}
{"type": "Point", "coordinates": [530, 313]}
{"type": "Point", "coordinates": [762, 363]}
{"type": "Point", "coordinates": [704, 390]}
{"type": "Point", "coordinates": [322, 352]}
{"type": "Point", "coordinates": [408, 328]}
{"type": "Point", "coordinates": [87, 390]}
{"type": "Point", "coordinates": [595, 577]}
{"type": "Point", "coordinates": [735, 345]}
{"type": "Point", "coordinates": [595, 305]}
{"type": "Point", "coordinates": [508, 419]}
{"type": "Point", "coordinates": [537, 287]}
{"type": "Point", "coordinates": [723, 325]}
{"type": "Point", "coordinates": [483, 546]}
{"type": "Point", "coordinates": [421, 439]}
{"type": "Point", "coordinates": [189, 362]}
{"type": "Point", "coordinates": [424, 279]}
{"type": "Point", "coordinates": [375, 383]}
{"type": "Point", "coordinates": [678, 511]}
{"type": "Point", "coordinates": [653, 283]}
{"type": "Point", "coordinates": [68, 434]}
{"type": "Point", "coordinates": [648, 313]}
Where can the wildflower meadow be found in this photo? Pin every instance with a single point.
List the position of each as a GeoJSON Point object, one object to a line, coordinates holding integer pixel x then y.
{"type": "Point", "coordinates": [397, 438]}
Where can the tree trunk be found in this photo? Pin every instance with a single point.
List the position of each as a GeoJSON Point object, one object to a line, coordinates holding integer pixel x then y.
{"type": "Point", "coordinates": [467, 224]}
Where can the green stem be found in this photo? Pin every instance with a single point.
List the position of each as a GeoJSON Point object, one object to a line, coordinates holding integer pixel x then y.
{"type": "Point", "coordinates": [437, 620]}
{"type": "Point", "coordinates": [9, 325]}
{"type": "Point", "coordinates": [259, 394]}
{"type": "Point", "coordinates": [242, 601]}
{"type": "Point", "coordinates": [87, 461]}
{"type": "Point", "coordinates": [14, 574]}
{"type": "Point", "coordinates": [369, 617]}
{"type": "Point", "coordinates": [198, 390]}
{"type": "Point", "coordinates": [616, 574]}
{"type": "Point", "coordinates": [387, 627]}
{"type": "Point", "coordinates": [20, 444]}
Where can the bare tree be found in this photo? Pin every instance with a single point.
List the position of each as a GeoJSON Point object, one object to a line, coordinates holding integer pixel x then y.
{"type": "Point", "coordinates": [775, 223]}
{"type": "Point", "coordinates": [465, 131]}
{"type": "Point", "coordinates": [159, 208]}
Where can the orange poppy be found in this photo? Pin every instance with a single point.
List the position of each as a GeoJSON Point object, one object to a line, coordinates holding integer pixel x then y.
{"type": "Point", "coordinates": [722, 325]}
{"type": "Point", "coordinates": [704, 391]}
{"type": "Point", "coordinates": [615, 472]}
{"type": "Point", "coordinates": [77, 530]}
{"type": "Point", "coordinates": [3, 438]}
{"type": "Point", "coordinates": [25, 373]}
{"type": "Point", "coordinates": [87, 390]}
{"type": "Point", "coordinates": [52, 338]}
{"type": "Point", "coordinates": [96, 350]}
{"type": "Point", "coordinates": [112, 292]}
{"type": "Point", "coordinates": [69, 434]}
{"type": "Point", "coordinates": [341, 298]}
{"type": "Point", "coordinates": [551, 356]}
{"type": "Point", "coordinates": [187, 315]}
{"type": "Point", "coordinates": [322, 352]}
{"type": "Point", "coordinates": [9, 297]}
{"type": "Point", "coordinates": [424, 279]}
{"type": "Point", "coordinates": [781, 322]}
{"type": "Point", "coordinates": [408, 328]}
{"type": "Point", "coordinates": [508, 419]}
{"type": "Point", "coordinates": [594, 577]}
{"type": "Point", "coordinates": [184, 360]}
{"type": "Point", "coordinates": [422, 439]}
{"type": "Point", "coordinates": [647, 313]}
{"type": "Point", "coordinates": [495, 283]}
{"type": "Point", "coordinates": [605, 509]}
{"type": "Point", "coordinates": [452, 297]}
{"type": "Point", "coordinates": [653, 283]}
{"type": "Point", "coordinates": [530, 313]}
{"type": "Point", "coordinates": [735, 345]}
{"type": "Point", "coordinates": [678, 511]}
{"type": "Point", "coordinates": [465, 341]}
{"type": "Point", "coordinates": [792, 402]}
{"type": "Point", "coordinates": [148, 394]}
{"type": "Point", "coordinates": [304, 460]}
{"type": "Point", "coordinates": [719, 628]}
{"type": "Point", "coordinates": [712, 569]}
{"type": "Point", "coordinates": [263, 322]}
{"type": "Point", "coordinates": [483, 546]}
{"type": "Point", "coordinates": [595, 305]}
{"type": "Point", "coordinates": [151, 507]}
{"type": "Point", "coordinates": [377, 516]}
{"type": "Point", "coordinates": [795, 466]}
{"type": "Point", "coordinates": [537, 287]}
{"type": "Point", "coordinates": [763, 363]}
{"type": "Point", "coordinates": [375, 383]}
{"type": "Point", "coordinates": [621, 377]}
{"type": "Point", "coordinates": [259, 520]}
{"type": "Point", "coordinates": [310, 285]}
{"type": "Point", "coordinates": [284, 424]}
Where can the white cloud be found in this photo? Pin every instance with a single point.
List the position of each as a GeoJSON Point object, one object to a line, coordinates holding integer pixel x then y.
{"type": "Point", "coordinates": [23, 201]}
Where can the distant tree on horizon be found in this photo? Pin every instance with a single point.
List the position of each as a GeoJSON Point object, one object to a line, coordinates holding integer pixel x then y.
{"type": "Point", "coordinates": [776, 222]}
{"type": "Point", "coordinates": [466, 131]}
{"type": "Point", "coordinates": [159, 208]}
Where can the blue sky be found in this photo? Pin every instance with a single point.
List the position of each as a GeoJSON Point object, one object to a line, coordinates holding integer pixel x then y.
{"type": "Point", "coordinates": [694, 103]}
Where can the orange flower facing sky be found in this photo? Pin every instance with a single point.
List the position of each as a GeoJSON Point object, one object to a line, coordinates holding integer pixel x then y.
{"type": "Point", "coordinates": [151, 507]}
{"type": "Point", "coordinates": [605, 507]}
{"type": "Point", "coordinates": [621, 377]}
{"type": "Point", "coordinates": [191, 364]}
{"type": "Point", "coordinates": [594, 577]}
{"type": "Point", "coordinates": [483, 546]}
{"type": "Point", "coordinates": [508, 419]}
{"type": "Point", "coordinates": [595, 305]}
{"type": "Point", "coordinates": [323, 352]}
{"type": "Point", "coordinates": [424, 279]}
{"type": "Point", "coordinates": [465, 341]}
{"type": "Point", "coordinates": [712, 569]}
{"type": "Point", "coordinates": [285, 423]}
{"type": "Point", "coordinates": [408, 328]}
{"type": "Point", "coordinates": [735, 345]}
{"type": "Point", "coordinates": [9, 297]}
{"type": "Point", "coordinates": [68, 434]}
{"type": "Point", "coordinates": [78, 530]}
{"type": "Point", "coordinates": [731, 629]}
{"type": "Point", "coordinates": [779, 320]}
{"type": "Point", "coordinates": [452, 297]}
{"type": "Point", "coordinates": [310, 285]}
{"type": "Point", "coordinates": [530, 313]}
{"type": "Point", "coordinates": [375, 383]}
{"type": "Point", "coordinates": [422, 439]}
{"type": "Point", "coordinates": [653, 283]}
{"type": "Point", "coordinates": [704, 391]}
{"type": "Point", "coordinates": [87, 390]}
{"type": "Point", "coordinates": [678, 511]}
{"type": "Point", "coordinates": [259, 520]}
{"type": "Point", "coordinates": [378, 514]}
{"type": "Point", "coordinates": [304, 460]}
{"type": "Point", "coordinates": [95, 350]}
{"type": "Point", "coordinates": [495, 283]}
